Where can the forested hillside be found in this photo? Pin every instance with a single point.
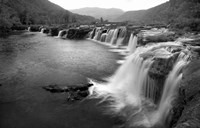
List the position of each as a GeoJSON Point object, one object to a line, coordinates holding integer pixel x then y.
{"type": "Point", "coordinates": [181, 14]}
{"type": "Point", "coordinates": [15, 12]}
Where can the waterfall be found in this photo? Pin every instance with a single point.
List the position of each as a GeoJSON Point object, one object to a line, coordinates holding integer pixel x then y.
{"type": "Point", "coordinates": [121, 37]}
{"type": "Point", "coordinates": [97, 35]}
{"type": "Point", "coordinates": [131, 92]}
{"type": "Point", "coordinates": [114, 37]}
{"type": "Point", "coordinates": [29, 29]}
{"type": "Point", "coordinates": [170, 87]}
{"type": "Point", "coordinates": [42, 30]}
{"type": "Point", "coordinates": [103, 37]}
{"type": "Point", "coordinates": [132, 43]}
{"type": "Point", "coordinates": [109, 36]}
{"type": "Point", "coordinates": [59, 34]}
{"type": "Point", "coordinates": [125, 85]}
{"type": "Point", "coordinates": [92, 34]}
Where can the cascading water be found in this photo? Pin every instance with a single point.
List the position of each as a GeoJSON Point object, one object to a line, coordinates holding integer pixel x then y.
{"type": "Point", "coordinates": [169, 90]}
{"type": "Point", "coordinates": [42, 30]}
{"type": "Point", "coordinates": [114, 37]}
{"type": "Point", "coordinates": [103, 37]}
{"type": "Point", "coordinates": [61, 33]}
{"type": "Point", "coordinates": [97, 35]}
{"type": "Point", "coordinates": [132, 44]}
{"type": "Point", "coordinates": [121, 37]}
{"type": "Point", "coordinates": [92, 33]}
{"type": "Point", "coordinates": [110, 35]}
{"type": "Point", "coordinates": [29, 29]}
{"type": "Point", "coordinates": [129, 90]}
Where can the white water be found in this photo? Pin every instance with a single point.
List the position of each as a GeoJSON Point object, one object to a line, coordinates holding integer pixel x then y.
{"type": "Point", "coordinates": [29, 29]}
{"type": "Point", "coordinates": [170, 88]}
{"type": "Point", "coordinates": [110, 34]}
{"type": "Point", "coordinates": [42, 30]}
{"type": "Point", "coordinates": [114, 37]}
{"type": "Point", "coordinates": [103, 37]}
{"type": "Point", "coordinates": [60, 33]}
{"type": "Point", "coordinates": [132, 44]}
{"type": "Point", "coordinates": [125, 89]}
{"type": "Point", "coordinates": [121, 37]}
{"type": "Point", "coordinates": [97, 35]}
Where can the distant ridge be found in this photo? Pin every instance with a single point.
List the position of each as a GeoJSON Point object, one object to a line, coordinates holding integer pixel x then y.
{"type": "Point", "coordinates": [107, 14]}
{"type": "Point", "coordinates": [131, 16]}
{"type": "Point", "coordinates": [180, 14]}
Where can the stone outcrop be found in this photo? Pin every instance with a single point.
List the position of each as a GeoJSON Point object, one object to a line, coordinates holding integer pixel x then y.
{"type": "Point", "coordinates": [186, 111]}
{"type": "Point", "coordinates": [53, 31]}
{"type": "Point", "coordinates": [77, 33]}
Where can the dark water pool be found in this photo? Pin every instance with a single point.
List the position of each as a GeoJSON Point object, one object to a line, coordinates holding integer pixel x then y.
{"type": "Point", "coordinates": [29, 61]}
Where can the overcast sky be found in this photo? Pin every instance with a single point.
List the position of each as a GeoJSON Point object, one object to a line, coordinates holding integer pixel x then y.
{"type": "Point", "coordinates": [125, 5]}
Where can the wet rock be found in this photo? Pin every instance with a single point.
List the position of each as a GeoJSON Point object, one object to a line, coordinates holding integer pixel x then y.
{"type": "Point", "coordinates": [55, 88]}
{"type": "Point", "coordinates": [93, 33]}
{"type": "Point", "coordinates": [64, 32]}
{"type": "Point", "coordinates": [195, 49]}
{"type": "Point", "coordinates": [77, 33]}
{"type": "Point", "coordinates": [74, 92]}
{"type": "Point", "coordinates": [46, 30]}
{"type": "Point", "coordinates": [104, 31]}
{"type": "Point", "coordinates": [195, 42]}
{"type": "Point", "coordinates": [188, 102]}
{"type": "Point", "coordinates": [19, 27]}
{"type": "Point", "coordinates": [53, 31]}
{"type": "Point", "coordinates": [162, 66]}
{"type": "Point", "coordinates": [152, 36]}
{"type": "Point", "coordinates": [77, 95]}
{"type": "Point", "coordinates": [159, 71]}
{"type": "Point", "coordinates": [34, 28]}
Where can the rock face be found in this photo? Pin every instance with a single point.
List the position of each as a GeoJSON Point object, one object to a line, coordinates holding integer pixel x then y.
{"type": "Point", "coordinates": [34, 28]}
{"type": "Point", "coordinates": [186, 111]}
{"type": "Point", "coordinates": [159, 71]}
{"type": "Point", "coordinates": [46, 31]}
{"type": "Point", "coordinates": [53, 31]}
{"type": "Point", "coordinates": [77, 33]}
{"type": "Point", "coordinates": [161, 67]}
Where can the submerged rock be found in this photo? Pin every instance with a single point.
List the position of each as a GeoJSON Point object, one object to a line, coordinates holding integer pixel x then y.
{"type": "Point", "coordinates": [74, 92]}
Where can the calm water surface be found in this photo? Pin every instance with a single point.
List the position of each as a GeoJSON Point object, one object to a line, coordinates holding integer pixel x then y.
{"type": "Point", "coordinates": [31, 60]}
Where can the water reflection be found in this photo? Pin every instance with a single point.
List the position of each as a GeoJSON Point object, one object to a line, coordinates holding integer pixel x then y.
{"type": "Point", "coordinates": [32, 60]}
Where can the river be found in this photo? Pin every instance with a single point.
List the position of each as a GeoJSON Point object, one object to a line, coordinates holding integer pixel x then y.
{"type": "Point", "coordinates": [29, 61]}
